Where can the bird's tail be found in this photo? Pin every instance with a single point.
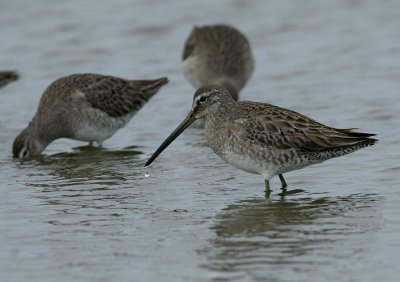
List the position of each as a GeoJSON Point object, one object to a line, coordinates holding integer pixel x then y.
{"type": "Point", "coordinates": [7, 76]}
{"type": "Point", "coordinates": [150, 87]}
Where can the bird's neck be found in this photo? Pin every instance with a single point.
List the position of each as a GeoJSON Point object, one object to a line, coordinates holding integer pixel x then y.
{"type": "Point", "coordinates": [41, 134]}
{"type": "Point", "coordinates": [221, 113]}
{"type": "Point", "coordinates": [230, 85]}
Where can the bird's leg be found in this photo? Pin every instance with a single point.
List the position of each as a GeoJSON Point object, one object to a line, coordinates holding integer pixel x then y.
{"type": "Point", "coordinates": [267, 188]}
{"type": "Point", "coordinates": [283, 182]}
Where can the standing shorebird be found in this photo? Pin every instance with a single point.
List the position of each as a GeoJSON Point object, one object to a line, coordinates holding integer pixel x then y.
{"type": "Point", "coordinates": [218, 54]}
{"type": "Point", "coordinates": [7, 76]}
{"type": "Point", "coordinates": [85, 107]}
{"type": "Point", "coordinates": [265, 139]}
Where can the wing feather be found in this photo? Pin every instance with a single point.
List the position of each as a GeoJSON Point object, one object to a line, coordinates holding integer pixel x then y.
{"type": "Point", "coordinates": [268, 125]}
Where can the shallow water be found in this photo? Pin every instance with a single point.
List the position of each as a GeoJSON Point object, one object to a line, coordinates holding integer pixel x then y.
{"type": "Point", "coordinates": [85, 214]}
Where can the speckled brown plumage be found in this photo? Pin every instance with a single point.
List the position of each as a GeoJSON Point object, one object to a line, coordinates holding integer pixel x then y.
{"type": "Point", "coordinates": [86, 107]}
{"type": "Point", "coordinates": [218, 54]}
{"type": "Point", "coordinates": [265, 139]}
{"type": "Point", "coordinates": [7, 76]}
{"type": "Point", "coordinates": [269, 125]}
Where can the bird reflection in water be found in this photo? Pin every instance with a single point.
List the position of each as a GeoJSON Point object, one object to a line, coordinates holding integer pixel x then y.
{"type": "Point", "coordinates": [86, 166]}
{"type": "Point", "coordinates": [259, 234]}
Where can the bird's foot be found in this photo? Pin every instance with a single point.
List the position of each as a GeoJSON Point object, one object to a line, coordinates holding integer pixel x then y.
{"type": "Point", "coordinates": [286, 192]}
{"type": "Point", "coordinates": [267, 193]}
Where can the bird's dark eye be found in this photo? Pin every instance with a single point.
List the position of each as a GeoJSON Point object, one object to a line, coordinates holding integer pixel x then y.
{"type": "Point", "coordinates": [203, 99]}
{"type": "Point", "coordinates": [25, 153]}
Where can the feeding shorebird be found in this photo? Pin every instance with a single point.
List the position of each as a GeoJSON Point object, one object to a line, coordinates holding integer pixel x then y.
{"type": "Point", "coordinates": [7, 76]}
{"type": "Point", "coordinates": [218, 54]}
{"type": "Point", "coordinates": [262, 138]}
{"type": "Point", "coordinates": [85, 107]}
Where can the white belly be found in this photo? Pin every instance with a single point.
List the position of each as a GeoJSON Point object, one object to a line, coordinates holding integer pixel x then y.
{"type": "Point", "coordinates": [190, 70]}
{"type": "Point", "coordinates": [246, 163]}
{"type": "Point", "coordinates": [93, 133]}
{"type": "Point", "coordinates": [99, 128]}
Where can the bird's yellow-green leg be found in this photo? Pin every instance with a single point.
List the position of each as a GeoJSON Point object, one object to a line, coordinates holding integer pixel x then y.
{"type": "Point", "coordinates": [283, 182]}
{"type": "Point", "coordinates": [267, 189]}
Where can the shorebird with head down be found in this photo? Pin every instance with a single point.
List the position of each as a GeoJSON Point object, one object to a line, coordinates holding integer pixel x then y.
{"type": "Point", "coordinates": [85, 107]}
{"type": "Point", "coordinates": [218, 54]}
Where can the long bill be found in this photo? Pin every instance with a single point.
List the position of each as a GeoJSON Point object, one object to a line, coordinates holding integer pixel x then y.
{"type": "Point", "coordinates": [184, 124]}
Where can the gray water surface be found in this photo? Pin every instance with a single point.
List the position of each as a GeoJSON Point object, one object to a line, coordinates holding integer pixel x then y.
{"type": "Point", "coordinates": [87, 214]}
